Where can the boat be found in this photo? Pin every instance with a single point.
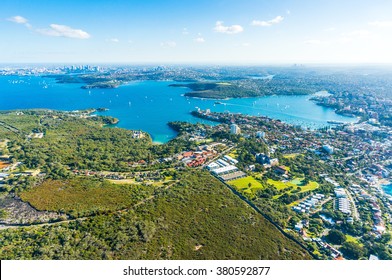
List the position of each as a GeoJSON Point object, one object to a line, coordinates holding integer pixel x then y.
{"type": "Point", "coordinates": [335, 122]}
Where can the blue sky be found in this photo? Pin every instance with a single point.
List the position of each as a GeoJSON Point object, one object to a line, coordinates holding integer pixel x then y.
{"type": "Point", "coordinates": [224, 32]}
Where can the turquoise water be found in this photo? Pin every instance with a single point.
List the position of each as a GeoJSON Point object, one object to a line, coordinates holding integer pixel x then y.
{"type": "Point", "coordinates": [387, 189]}
{"type": "Point", "coordinates": [149, 105]}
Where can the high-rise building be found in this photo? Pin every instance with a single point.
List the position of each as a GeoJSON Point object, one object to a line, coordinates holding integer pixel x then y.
{"type": "Point", "coordinates": [235, 129]}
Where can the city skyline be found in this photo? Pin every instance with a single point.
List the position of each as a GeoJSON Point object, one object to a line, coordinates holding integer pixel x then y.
{"type": "Point", "coordinates": [255, 32]}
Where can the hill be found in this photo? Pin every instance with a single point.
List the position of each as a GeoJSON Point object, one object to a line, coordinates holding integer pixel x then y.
{"type": "Point", "coordinates": [197, 218]}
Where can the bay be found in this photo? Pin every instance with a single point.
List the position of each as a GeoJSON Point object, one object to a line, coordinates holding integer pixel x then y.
{"type": "Point", "coordinates": [150, 105]}
{"type": "Point", "coordinates": [387, 189]}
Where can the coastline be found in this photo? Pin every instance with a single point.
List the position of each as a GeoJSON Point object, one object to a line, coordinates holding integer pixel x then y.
{"type": "Point", "coordinates": [381, 185]}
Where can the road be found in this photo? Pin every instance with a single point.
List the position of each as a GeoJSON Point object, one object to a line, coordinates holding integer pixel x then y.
{"type": "Point", "coordinates": [355, 211]}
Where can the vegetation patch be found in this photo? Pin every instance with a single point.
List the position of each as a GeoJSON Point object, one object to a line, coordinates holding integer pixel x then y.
{"type": "Point", "coordinates": [350, 238]}
{"type": "Point", "coordinates": [83, 196]}
{"type": "Point", "coordinates": [293, 185]}
{"type": "Point", "coordinates": [197, 211]}
{"type": "Point", "coordinates": [291, 156]}
{"type": "Point", "coordinates": [247, 184]}
{"type": "Point", "coordinates": [234, 154]}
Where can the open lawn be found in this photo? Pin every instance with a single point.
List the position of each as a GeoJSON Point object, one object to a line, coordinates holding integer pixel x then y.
{"type": "Point", "coordinates": [243, 184]}
{"type": "Point", "coordinates": [297, 182]}
{"type": "Point", "coordinates": [291, 156]}
{"type": "Point", "coordinates": [233, 154]}
{"type": "Point", "coordinates": [350, 238]}
{"type": "Point", "coordinates": [3, 143]}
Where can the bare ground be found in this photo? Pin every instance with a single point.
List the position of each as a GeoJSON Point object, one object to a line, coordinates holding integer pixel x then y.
{"type": "Point", "coordinates": [19, 212]}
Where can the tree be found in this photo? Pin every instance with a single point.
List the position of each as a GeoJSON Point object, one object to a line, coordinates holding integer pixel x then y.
{"type": "Point", "coordinates": [3, 214]}
{"type": "Point", "coordinates": [352, 250]}
{"type": "Point", "coordinates": [305, 181]}
{"type": "Point", "coordinates": [336, 237]}
{"type": "Point", "coordinates": [385, 238]}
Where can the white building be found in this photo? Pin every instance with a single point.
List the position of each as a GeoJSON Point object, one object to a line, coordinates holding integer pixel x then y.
{"type": "Point", "coordinates": [344, 206]}
{"type": "Point", "coordinates": [230, 159]}
{"type": "Point", "coordinates": [213, 166]}
{"type": "Point", "coordinates": [260, 134]}
{"type": "Point", "coordinates": [235, 129]}
{"type": "Point", "coordinates": [340, 192]}
{"type": "Point", "coordinates": [225, 170]}
{"type": "Point", "coordinates": [328, 149]}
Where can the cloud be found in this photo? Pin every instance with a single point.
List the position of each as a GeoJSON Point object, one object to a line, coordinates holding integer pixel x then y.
{"type": "Point", "coordinates": [313, 42]}
{"type": "Point", "coordinates": [233, 29]}
{"type": "Point", "coordinates": [113, 40]}
{"type": "Point", "coordinates": [359, 33]}
{"type": "Point", "coordinates": [199, 40]}
{"type": "Point", "coordinates": [381, 24]}
{"type": "Point", "coordinates": [57, 30]}
{"type": "Point", "coordinates": [18, 19]}
{"type": "Point", "coordinates": [329, 29]}
{"type": "Point", "coordinates": [185, 31]}
{"type": "Point", "coordinates": [268, 23]}
{"type": "Point", "coordinates": [169, 44]}
{"type": "Point", "coordinates": [354, 35]}
{"type": "Point", "coordinates": [245, 44]}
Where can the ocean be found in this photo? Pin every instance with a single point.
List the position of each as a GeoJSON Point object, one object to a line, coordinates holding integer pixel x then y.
{"type": "Point", "coordinates": [387, 189]}
{"type": "Point", "coordinates": [150, 105]}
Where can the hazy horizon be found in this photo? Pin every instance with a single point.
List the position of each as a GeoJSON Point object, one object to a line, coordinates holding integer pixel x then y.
{"type": "Point", "coordinates": [202, 32]}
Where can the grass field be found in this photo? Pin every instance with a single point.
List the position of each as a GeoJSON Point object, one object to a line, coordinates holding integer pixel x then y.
{"type": "Point", "coordinates": [3, 143]}
{"type": "Point", "coordinates": [350, 238]}
{"type": "Point", "coordinates": [242, 184]}
{"type": "Point", "coordinates": [204, 141]}
{"type": "Point", "coordinates": [297, 182]}
{"type": "Point", "coordinates": [233, 154]}
{"type": "Point", "coordinates": [291, 156]}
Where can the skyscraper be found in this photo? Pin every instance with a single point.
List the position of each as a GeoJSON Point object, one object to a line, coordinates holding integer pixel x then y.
{"type": "Point", "coordinates": [235, 129]}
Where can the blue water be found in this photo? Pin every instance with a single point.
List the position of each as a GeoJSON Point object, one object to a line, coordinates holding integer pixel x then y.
{"type": "Point", "coordinates": [387, 189]}
{"type": "Point", "coordinates": [149, 105]}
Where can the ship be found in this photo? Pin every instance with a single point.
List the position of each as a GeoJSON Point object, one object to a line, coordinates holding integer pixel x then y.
{"type": "Point", "coordinates": [335, 122]}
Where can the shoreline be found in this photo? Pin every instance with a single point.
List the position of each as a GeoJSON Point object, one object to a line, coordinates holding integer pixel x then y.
{"type": "Point", "coordinates": [381, 185]}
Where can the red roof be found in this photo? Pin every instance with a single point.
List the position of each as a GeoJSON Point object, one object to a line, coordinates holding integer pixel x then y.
{"type": "Point", "coordinates": [187, 154]}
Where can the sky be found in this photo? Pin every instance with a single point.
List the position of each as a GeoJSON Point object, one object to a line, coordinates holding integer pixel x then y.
{"type": "Point", "coordinates": [202, 31]}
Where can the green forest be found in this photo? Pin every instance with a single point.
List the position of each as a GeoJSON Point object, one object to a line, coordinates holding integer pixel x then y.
{"type": "Point", "coordinates": [197, 218]}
